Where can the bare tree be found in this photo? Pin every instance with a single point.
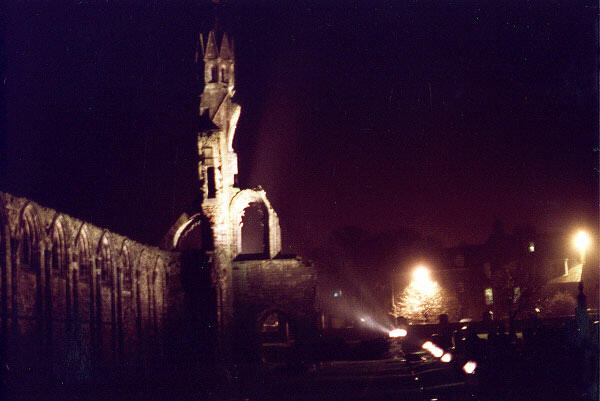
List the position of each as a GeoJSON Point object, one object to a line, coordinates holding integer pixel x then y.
{"type": "Point", "coordinates": [424, 305]}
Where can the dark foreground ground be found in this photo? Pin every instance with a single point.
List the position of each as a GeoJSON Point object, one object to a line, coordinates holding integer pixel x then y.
{"type": "Point", "coordinates": [547, 365]}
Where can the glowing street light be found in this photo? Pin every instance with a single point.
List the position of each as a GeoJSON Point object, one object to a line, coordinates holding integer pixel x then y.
{"type": "Point", "coordinates": [447, 357]}
{"type": "Point", "coordinates": [421, 281]}
{"type": "Point", "coordinates": [421, 273]}
{"type": "Point", "coordinates": [582, 242]}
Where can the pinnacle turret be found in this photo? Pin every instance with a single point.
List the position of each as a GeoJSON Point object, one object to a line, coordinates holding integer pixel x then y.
{"type": "Point", "coordinates": [226, 51]}
{"type": "Point", "coordinates": [215, 58]}
{"type": "Point", "coordinates": [211, 51]}
{"type": "Point", "coordinates": [214, 45]}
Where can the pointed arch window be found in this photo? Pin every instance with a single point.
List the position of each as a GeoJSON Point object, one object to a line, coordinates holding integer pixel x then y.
{"type": "Point", "coordinates": [224, 74]}
{"type": "Point", "coordinates": [211, 185]}
{"type": "Point", "coordinates": [106, 265]}
{"type": "Point", "coordinates": [59, 249]}
{"type": "Point", "coordinates": [127, 278]}
{"type": "Point", "coordinates": [255, 229]}
{"type": "Point", "coordinates": [83, 256]}
{"type": "Point", "coordinates": [30, 238]}
{"type": "Point", "coordinates": [212, 73]}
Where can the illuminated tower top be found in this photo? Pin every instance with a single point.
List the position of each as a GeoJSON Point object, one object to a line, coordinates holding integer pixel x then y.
{"type": "Point", "coordinates": [218, 114]}
{"type": "Point", "coordinates": [216, 53]}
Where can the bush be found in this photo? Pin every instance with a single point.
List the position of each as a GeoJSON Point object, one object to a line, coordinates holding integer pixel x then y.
{"type": "Point", "coordinates": [561, 304]}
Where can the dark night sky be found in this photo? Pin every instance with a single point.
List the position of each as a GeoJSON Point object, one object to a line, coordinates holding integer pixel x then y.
{"type": "Point", "coordinates": [428, 115]}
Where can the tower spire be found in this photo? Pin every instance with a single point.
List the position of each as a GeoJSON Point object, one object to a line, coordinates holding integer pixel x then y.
{"type": "Point", "coordinates": [215, 57]}
{"type": "Point", "coordinates": [218, 113]}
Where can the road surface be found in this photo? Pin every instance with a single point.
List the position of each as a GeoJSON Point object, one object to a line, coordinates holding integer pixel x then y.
{"type": "Point", "coordinates": [412, 377]}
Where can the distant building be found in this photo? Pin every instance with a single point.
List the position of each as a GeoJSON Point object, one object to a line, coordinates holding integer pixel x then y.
{"type": "Point", "coordinates": [522, 270]}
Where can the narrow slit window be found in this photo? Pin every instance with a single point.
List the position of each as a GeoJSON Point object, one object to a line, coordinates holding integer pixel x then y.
{"type": "Point", "coordinates": [224, 76]}
{"type": "Point", "coordinates": [213, 74]}
{"type": "Point", "coordinates": [210, 177]}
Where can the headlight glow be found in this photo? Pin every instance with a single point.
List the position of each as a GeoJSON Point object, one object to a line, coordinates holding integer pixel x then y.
{"type": "Point", "coordinates": [436, 351]}
{"type": "Point", "coordinates": [469, 367]}
{"type": "Point", "coordinates": [397, 333]}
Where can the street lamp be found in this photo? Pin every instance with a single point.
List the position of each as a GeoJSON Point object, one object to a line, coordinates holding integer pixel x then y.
{"type": "Point", "coordinates": [582, 242]}
{"type": "Point", "coordinates": [421, 280]}
{"type": "Point", "coordinates": [421, 273]}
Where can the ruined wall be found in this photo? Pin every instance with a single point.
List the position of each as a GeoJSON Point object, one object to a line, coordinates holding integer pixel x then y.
{"type": "Point", "coordinates": [78, 301]}
{"type": "Point", "coordinates": [281, 285]}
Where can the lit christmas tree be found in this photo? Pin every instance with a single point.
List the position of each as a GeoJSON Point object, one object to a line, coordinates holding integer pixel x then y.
{"type": "Point", "coordinates": [423, 300]}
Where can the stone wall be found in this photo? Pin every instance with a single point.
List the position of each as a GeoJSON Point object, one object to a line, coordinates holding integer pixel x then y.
{"type": "Point", "coordinates": [285, 286]}
{"type": "Point", "coordinates": [78, 301]}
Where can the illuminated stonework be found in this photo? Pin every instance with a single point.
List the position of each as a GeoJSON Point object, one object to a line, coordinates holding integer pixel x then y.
{"type": "Point", "coordinates": [70, 288]}
{"type": "Point", "coordinates": [216, 228]}
{"type": "Point", "coordinates": [79, 302]}
{"type": "Point", "coordinates": [223, 201]}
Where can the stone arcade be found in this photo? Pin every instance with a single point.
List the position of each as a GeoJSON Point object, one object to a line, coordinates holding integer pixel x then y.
{"type": "Point", "coordinates": [79, 302]}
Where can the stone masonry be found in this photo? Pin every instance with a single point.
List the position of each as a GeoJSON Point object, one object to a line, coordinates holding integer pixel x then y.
{"type": "Point", "coordinates": [79, 302]}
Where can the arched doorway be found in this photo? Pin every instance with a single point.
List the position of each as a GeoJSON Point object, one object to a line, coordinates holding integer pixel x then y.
{"type": "Point", "coordinates": [276, 336]}
{"type": "Point", "coordinates": [255, 230]}
{"type": "Point", "coordinates": [192, 235]}
{"type": "Point", "coordinates": [254, 225]}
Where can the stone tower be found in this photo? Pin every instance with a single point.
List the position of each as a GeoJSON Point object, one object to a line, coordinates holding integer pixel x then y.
{"type": "Point", "coordinates": [214, 228]}
{"type": "Point", "coordinates": [227, 281]}
{"type": "Point", "coordinates": [218, 116]}
{"type": "Point", "coordinates": [223, 202]}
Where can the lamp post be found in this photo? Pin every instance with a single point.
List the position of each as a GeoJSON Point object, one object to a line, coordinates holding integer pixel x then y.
{"type": "Point", "coordinates": [582, 242]}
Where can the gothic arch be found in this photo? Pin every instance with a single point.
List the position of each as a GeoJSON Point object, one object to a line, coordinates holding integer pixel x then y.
{"type": "Point", "coordinates": [275, 329]}
{"type": "Point", "coordinates": [59, 236]}
{"type": "Point", "coordinates": [29, 233]}
{"type": "Point", "coordinates": [105, 253]}
{"type": "Point", "coordinates": [265, 315]}
{"type": "Point", "coordinates": [106, 301]}
{"type": "Point", "coordinates": [82, 253]}
{"type": "Point", "coordinates": [141, 268]}
{"type": "Point", "coordinates": [140, 292]}
{"type": "Point", "coordinates": [194, 234]}
{"type": "Point", "coordinates": [27, 286]}
{"type": "Point", "coordinates": [238, 205]}
{"type": "Point", "coordinates": [127, 267]}
{"type": "Point", "coordinates": [86, 297]}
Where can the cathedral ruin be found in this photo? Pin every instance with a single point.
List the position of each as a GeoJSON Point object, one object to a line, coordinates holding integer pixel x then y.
{"type": "Point", "coordinates": [79, 302]}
